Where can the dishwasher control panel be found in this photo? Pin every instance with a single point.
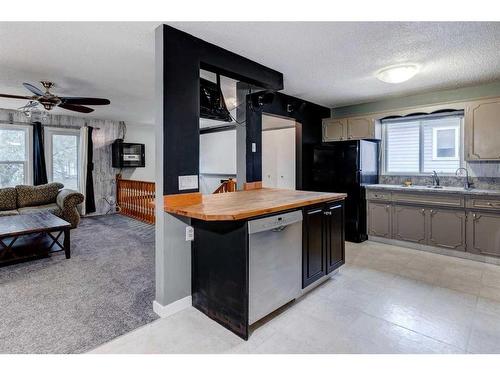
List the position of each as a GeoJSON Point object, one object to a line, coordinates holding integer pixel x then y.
{"type": "Point", "coordinates": [274, 222]}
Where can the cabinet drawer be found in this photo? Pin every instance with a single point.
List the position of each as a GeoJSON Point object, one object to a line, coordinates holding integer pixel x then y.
{"type": "Point", "coordinates": [378, 195]}
{"type": "Point", "coordinates": [446, 200]}
{"type": "Point", "coordinates": [482, 203]}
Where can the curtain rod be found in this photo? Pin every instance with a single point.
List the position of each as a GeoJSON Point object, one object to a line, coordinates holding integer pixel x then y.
{"type": "Point", "coordinates": [7, 122]}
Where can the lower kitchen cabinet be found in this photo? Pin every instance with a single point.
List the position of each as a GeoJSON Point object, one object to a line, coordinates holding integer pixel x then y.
{"type": "Point", "coordinates": [447, 228]}
{"type": "Point", "coordinates": [409, 223]}
{"type": "Point", "coordinates": [323, 241]}
{"type": "Point", "coordinates": [483, 233]}
{"type": "Point", "coordinates": [334, 232]}
{"type": "Point", "coordinates": [379, 219]}
{"type": "Point", "coordinates": [455, 222]}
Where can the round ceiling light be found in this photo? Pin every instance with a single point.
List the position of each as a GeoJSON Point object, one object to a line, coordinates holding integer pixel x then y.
{"type": "Point", "coordinates": [398, 73]}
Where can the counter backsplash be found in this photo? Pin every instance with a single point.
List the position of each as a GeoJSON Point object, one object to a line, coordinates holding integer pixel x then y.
{"type": "Point", "coordinates": [488, 183]}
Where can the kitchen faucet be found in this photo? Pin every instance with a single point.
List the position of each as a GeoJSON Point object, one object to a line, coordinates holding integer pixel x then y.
{"type": "Point", "coordinates": [467, 183]}
{"type": "Point", "coordinates": [435, 179]}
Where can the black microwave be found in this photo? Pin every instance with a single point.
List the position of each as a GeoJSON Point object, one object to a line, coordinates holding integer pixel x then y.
{"type": "Point", "coordinates": [127, 155]}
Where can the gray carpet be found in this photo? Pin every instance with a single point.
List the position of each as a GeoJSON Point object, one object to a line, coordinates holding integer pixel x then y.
{"type": "Point", "coordinates": [55, 305]}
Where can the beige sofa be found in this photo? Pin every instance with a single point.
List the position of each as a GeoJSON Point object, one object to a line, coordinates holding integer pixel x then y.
{"type": "Point", "coordinates": [51, 197]}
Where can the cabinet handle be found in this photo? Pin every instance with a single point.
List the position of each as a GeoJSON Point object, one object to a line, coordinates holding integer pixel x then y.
{"type": "Point", "coordinates": [387, 208]}
{"type": "Point", "coordinates": [314, 212]}
{"type": "Point", "coordinates": [423, 211]}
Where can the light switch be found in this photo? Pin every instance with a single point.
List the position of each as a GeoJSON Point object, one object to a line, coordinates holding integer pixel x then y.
{"type": "Point", "coordinates": [188, 182]}
{"type": "Point", "coordinates": [189, 233]}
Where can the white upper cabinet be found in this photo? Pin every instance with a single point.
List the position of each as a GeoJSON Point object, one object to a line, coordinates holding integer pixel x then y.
{"type": "Point", "coordinates": [350, 129]}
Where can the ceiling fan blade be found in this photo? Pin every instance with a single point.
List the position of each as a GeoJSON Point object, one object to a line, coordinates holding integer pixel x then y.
{"type": "Point", "coordinates": [35, 90]}
{"type": "Point", "coordinates": [14, 96]}
{"type": "Point", "coordinates": [76, 108]}
{"type": "Point", "coordinates": [85, 101]}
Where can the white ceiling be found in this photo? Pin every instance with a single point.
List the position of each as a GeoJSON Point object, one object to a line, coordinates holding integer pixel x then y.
{"type": "Point", "coordinates": [107, 60]}
{"type": "Point", "coordinates": [329, 63]}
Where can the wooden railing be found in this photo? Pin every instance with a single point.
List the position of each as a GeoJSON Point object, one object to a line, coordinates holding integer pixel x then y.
{"type": "Point", "coordinates": [134, 199]}
{"type": "Point", "coordinates": [226, 186]}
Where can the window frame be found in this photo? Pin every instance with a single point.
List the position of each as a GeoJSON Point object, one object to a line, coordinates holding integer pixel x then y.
{"type": "Point", "coordinates": [28, 152]}
{"type": "Point", "coordinates": [48, 133]}
{"type": "Point", "coordinates": [461, 146]}
{"type": "Point", "coordinates": [434, 143]}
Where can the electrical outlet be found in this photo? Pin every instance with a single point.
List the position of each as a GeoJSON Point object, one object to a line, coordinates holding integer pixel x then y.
{"type": "Point", "coordinates": [189, 233]}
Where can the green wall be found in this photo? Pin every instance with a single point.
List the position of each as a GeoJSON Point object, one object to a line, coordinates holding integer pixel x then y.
{"type": "Point", "coordinates": [464, 93]}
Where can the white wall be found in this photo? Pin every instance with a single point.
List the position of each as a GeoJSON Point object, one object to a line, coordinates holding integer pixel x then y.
{"type": "Point", "coordinates": [217, 159]}
{"type": "Point", "coordinates": [140, 133]}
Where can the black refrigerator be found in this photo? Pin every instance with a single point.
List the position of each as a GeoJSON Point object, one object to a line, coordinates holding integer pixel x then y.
{"type": "Point", "coordinates": [344, 167]}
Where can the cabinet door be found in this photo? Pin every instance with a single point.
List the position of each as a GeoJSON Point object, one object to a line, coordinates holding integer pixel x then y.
{"type": "Point", "coordinates": [334, 130]}
{"type": "Point", "coordinates": [447, 228]}
{"type": "Point", "coordinates": [409, 223]}
{"type": "Point", "coordinates": [379, 219]}
{"type": "Point", "coordinates": [313, 255]}
{"type": "Point", "coordinates": [334, 232]}
{"type": "Point", "coordinates": [360, 128]}
{"type": "Point", "coordinates": [483, 233]}
{"type": "Point", "coordinates": [482, 122]}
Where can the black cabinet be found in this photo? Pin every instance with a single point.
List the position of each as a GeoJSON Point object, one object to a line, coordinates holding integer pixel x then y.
{"type": "Point", "coordinates": [334, 236]}
{"type": "Point", "coordinates": [323, 241]}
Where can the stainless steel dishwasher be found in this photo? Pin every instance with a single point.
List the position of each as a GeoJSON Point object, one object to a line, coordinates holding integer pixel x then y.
{"type": "Point", "coordinates": [275, 258]}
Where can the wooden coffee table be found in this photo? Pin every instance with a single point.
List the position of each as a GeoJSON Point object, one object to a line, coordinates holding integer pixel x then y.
{"type": "Point", "coordinates": [32, 236]}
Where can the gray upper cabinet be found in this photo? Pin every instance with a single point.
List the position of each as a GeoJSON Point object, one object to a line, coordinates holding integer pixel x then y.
{"type": "Point", "coordinates": [379, 219]}
{"type": "Point", "coordinates": [334, 130]}
{"type": "Point", "coordinates": [483, 233]}
{"type": "Point", "coordinates": [350, 129]}
{"type": "Point", "coordinates": [447, 228]}
{"type": "Point", "coordinates": [360, 128]}
{"type": "Point", "coordinates": [482, 130]}
{"type": "Point", "coordinates": [409, 223]}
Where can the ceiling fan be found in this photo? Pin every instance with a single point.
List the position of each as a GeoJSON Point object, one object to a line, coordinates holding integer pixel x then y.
{"type": "Point", "coordinates": [49, 100]}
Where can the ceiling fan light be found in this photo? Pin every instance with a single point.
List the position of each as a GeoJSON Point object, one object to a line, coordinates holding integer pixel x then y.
{"type": "Point", "coordinates": [397, 74]}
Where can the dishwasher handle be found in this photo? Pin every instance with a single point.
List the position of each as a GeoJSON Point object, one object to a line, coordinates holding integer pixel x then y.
{"type": "Point", "coordinates": [279, 229]}
{"type": "Point", "coordinates": [275, 223]}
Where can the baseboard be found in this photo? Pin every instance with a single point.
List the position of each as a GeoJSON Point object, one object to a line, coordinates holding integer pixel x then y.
{"type": "Point", "coordinates": [171, 308]}
{"type": "Point", "coordinates": [436, 250]}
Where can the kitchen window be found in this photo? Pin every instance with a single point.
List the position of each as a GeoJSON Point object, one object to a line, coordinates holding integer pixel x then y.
{"type": "Point", "coordinates": [61, 156]}
{"type": "Point", "coordinates": [421, 144]}
{"type": "Point", "coordinates": [15, 155]}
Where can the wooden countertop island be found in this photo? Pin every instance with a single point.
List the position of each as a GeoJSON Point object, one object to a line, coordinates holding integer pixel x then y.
{"type": "Point", "coordinates": [244, 204]}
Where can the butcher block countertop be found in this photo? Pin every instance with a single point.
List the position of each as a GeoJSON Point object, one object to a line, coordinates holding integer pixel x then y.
{"type": "Point", "coordinates": [246, 204]}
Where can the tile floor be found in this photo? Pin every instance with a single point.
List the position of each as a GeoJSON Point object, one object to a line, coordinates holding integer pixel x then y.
{"type": "Point", "coordinates": [385, 299]}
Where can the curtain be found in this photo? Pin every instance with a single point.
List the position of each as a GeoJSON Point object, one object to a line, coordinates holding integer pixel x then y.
{"type": "Point", "coordinates": [82, 166]}
{"type": "Point", "coordinates": [89, 189]}
{"type": "Point", "coordinates": [39, 169]}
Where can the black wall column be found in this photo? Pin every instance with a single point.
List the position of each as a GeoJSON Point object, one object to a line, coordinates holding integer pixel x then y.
{"type": "Point", "coordinates": [183, 56]}
{"type": "Point", "coordinates": [308, 114]}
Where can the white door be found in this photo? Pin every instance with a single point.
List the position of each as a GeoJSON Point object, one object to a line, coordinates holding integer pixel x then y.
{"type": "Point", "coordinates": [269, 159]}
{"type": "Point", "coordinates": [285, 158]}
{"type": "Point", "coordinates": [278, 158]}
